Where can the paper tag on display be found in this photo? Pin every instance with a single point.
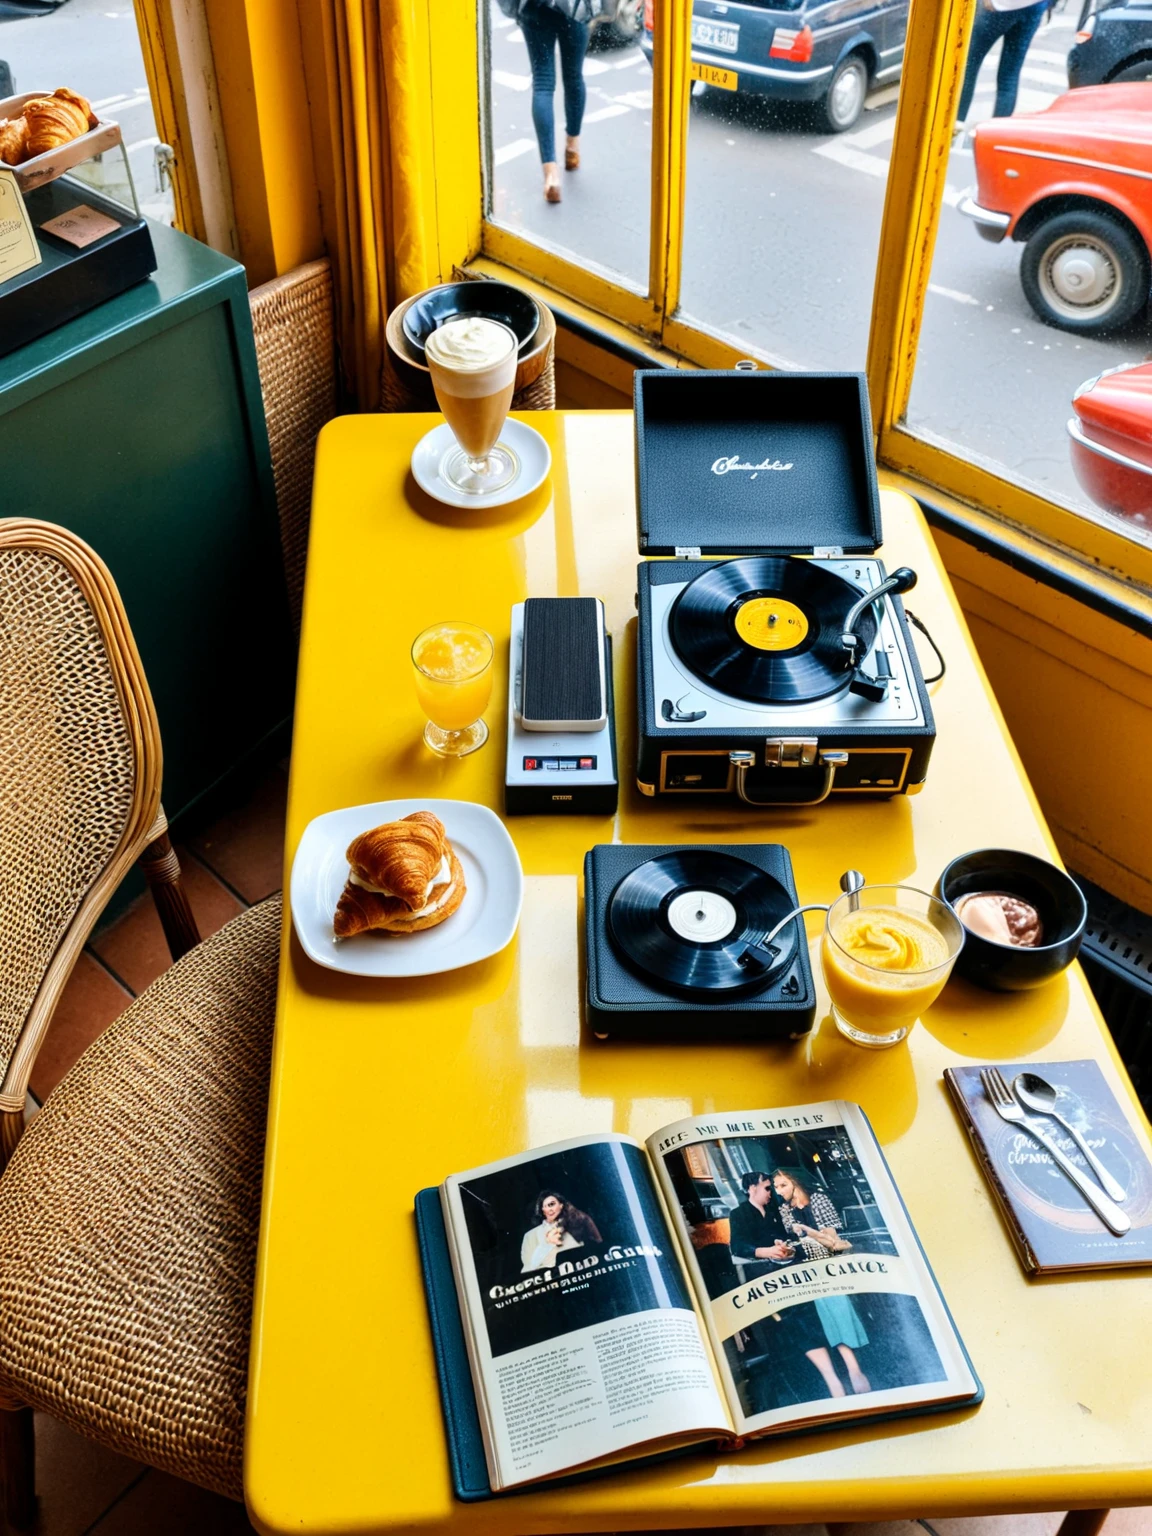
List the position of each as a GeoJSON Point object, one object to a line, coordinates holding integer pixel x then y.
{"type": "Point", "coordinates": [80, 226]}
{"type": "Point", "coordinates": [18, 247]}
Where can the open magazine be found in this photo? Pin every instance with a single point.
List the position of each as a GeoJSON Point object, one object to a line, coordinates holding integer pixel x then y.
{"type": "Point", "coordinates": [739, 1275]}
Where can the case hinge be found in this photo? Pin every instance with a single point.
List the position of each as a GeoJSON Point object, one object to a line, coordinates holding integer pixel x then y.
{"type": "Point", "coordinates": [793, 752]}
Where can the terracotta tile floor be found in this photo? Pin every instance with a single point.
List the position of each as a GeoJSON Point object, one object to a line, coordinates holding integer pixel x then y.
{"type": "Point", "coordinates": [228, 861]}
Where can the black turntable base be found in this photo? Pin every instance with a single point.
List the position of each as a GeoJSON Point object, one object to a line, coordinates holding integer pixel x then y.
{"type": "Point", "coordinates": [674, 943]}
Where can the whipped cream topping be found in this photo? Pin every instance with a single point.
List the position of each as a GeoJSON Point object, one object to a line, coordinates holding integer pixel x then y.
{"type": "Point", "coordinates": [442, 874]}
{"type": "Point", "coordinates": [471, 343]}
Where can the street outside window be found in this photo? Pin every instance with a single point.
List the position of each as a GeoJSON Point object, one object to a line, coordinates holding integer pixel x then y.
{"type": "Point", "coordinates": [549, 74]}
{"type": "Point", "coordinates": [92, 47]}
{"type": "Point", "coordinates": [1041, 275]}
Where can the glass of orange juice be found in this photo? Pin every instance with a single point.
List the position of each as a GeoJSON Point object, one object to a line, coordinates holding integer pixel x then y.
{"type": "Point", "coordinates": [452, 665]}
{"type": "Point", "coordinates": [887, 952]}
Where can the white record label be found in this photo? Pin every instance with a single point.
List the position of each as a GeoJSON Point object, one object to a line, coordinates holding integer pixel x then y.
{"type": "Point", "coordinates": [701, 916]}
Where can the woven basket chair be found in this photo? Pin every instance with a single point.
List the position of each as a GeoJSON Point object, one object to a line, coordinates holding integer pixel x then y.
{"type": "Point", "coordinates": [294, 327]}
{"type": "Point", "coordinates": [129, 1208]}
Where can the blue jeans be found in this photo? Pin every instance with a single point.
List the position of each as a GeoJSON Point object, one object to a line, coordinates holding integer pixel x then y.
{"type": "Point", "coordinates": [543, 29]}
{"type": "Point", "coordinates": [1017, 28]}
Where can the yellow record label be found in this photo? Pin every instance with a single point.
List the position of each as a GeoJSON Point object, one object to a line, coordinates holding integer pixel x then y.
{"type": "Point", "coordinates": [771, 624]}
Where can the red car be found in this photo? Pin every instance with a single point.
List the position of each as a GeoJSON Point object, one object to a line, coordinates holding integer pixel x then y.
{"type": "Point", "coordinates": [1074, 182]}
{"type": "Point", "coordinates": [1111, 435]}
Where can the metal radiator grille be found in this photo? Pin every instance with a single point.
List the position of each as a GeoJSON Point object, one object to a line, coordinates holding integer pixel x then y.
{"type": "Point", "coordinates": [1117, 959]}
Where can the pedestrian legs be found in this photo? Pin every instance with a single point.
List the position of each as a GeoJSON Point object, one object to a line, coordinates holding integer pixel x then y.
{"type": "Point", "coordinates": [1017, 41]}
{"type": "Point", "coordinates": [573, 39]}
{"type": "Point", "coordinates": [539, 26]}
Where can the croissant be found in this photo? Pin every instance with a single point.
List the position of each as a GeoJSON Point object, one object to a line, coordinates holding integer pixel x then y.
{"type": "Point", "coordinates": [55, 120]}
{"type": "Point", "coordinates": [13, 140]}
{"type": "Point", "coordinates": [361, 911]}
{"type": "Point", "coordinates": [400, 858]}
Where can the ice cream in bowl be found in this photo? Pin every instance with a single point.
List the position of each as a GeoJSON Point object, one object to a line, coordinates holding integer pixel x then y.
{"type": "Point", "coordinates": [1024, 916]}
{"type": "Point", "coordinates": [886, 953]}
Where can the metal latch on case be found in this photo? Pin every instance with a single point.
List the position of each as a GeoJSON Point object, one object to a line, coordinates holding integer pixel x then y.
{"type": "Point", "coordinates": [791, 752]}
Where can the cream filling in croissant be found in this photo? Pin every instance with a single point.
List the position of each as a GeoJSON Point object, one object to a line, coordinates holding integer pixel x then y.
{"type": "Point", "coordinates": [442, 874]}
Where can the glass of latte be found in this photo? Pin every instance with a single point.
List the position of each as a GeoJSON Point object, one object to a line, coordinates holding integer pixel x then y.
{"type": "Point", "coordinates": [473, 366]}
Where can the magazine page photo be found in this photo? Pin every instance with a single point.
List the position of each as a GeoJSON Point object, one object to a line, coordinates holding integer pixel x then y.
{"type": "Point", "coordinates": [583, 1322]}
{"type": "Point", "coordinates": [814, 1303]}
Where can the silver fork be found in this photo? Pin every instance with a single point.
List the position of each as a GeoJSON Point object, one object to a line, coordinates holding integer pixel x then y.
{"type": "Point", "coordinates": [1009, 1109]}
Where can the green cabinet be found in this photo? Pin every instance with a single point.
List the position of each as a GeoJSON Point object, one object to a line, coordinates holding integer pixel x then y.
{"type": "Point", "coordinates": [140, 427]}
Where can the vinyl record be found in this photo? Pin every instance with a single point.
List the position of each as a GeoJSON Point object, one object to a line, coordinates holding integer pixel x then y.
{"type": "Point", "coordinates": [688, 920]}
{"type": "Point", "coordinates": [768, 629]}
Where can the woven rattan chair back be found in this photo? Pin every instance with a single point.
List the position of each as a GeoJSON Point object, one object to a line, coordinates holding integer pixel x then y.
{"type": "Point", "coordinates": [294, 326]}
{"type": "Point", "coordinates": [80, 767]}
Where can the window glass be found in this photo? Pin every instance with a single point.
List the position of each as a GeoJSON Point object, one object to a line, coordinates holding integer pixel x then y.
{"type": "Point", "coordinates": [602, 217]}
{"type": "Point", "coordinates": [1015, 323]}
{"type": "Point", "coordinates": [93, 48]}
{"type": "Point", "coordinates": [792, 118]}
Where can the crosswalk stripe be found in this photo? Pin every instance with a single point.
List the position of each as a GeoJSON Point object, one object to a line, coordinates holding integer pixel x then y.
{"type": "Point", "coordinates": [630, 63]}
{"type": "Point", "coordinates": [512, 151]}
{"type": "Point", "coordinates": [1045, 56]}
{"type": "Point", "coordinates": [514, 82]}
{"type": "Point", "coordinates": [845, 154]}
{"type": "Point", "coordinates": [605, 112]}
{"type": "Point", "coordinates": [877, 133]}
{"type": "Point", "coordinates": [595, 67]}
{"type": "Point", "coordinates": [1045, 77]}
{"type": "Point", "coordinates": [953, 293]}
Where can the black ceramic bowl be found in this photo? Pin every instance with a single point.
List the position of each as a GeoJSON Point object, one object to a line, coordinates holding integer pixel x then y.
{"type": "Point", "coordinates": [494, 301]}
{"type": "Point", "coordinates": [1056, 897]}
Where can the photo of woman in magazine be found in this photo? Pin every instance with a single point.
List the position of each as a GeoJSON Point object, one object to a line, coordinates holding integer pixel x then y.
{"type": "Point", "coordinates": [800, 1206]}
{"type": "Point", "coordinates": [561, 1226]}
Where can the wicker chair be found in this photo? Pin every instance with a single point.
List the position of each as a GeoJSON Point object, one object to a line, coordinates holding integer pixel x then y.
{"type": "Point", "coordinates": [129, 1209]}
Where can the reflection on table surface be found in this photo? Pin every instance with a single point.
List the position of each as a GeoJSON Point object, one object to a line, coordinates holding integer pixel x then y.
{"type": "Point", "coordinates": [441, 1074]}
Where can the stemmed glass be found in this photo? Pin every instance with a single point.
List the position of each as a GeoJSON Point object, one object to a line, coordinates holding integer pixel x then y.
{"type": "Point", "coordinates": [452, 670]}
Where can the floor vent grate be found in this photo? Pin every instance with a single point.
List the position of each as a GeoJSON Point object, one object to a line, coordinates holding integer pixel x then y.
{"type": "Point", "coordinates": [1117, 960]}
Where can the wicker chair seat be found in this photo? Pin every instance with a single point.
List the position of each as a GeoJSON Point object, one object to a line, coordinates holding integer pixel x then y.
{"type": "Point", "coordinates": [130, 1211]}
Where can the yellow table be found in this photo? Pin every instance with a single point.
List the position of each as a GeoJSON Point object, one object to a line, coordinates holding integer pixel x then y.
{"type": "Point", "coordinates": [381, 1088]}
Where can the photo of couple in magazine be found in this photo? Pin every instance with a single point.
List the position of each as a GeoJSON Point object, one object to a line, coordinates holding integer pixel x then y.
{"type": "Point", "coordinates": [756, 1206]}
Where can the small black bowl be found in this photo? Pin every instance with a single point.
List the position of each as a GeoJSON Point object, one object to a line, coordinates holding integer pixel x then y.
{"type": "Point", "coordinates": [1056, 897]}
{"type": "Point", "coordinates": [494, 301]}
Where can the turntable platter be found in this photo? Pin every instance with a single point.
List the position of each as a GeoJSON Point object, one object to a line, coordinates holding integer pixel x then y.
{"type": "Point", "coordinates": [692, 922]}
{"type": "Point", "coordinates": [768, 629]}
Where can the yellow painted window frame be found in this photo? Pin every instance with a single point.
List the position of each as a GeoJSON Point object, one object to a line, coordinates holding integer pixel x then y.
{"type": "Point", "coordinates": [926, 114]}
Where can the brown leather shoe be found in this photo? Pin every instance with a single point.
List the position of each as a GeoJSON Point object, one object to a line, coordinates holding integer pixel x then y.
{"type": "Point", "coordinates": [552, 193]}
{"type": "Point", "coordinates": [571, 159]}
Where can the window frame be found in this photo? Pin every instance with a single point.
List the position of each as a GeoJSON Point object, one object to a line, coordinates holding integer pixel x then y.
{"type": "Point", "coordinates": [935, 53]}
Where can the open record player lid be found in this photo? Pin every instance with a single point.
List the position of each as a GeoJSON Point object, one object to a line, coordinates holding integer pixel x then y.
{"type": "Point", "coordinates": [760, 462]}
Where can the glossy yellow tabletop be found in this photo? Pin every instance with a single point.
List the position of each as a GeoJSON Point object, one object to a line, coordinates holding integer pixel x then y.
{"type": "Point", "coordinates": [380, 1088]}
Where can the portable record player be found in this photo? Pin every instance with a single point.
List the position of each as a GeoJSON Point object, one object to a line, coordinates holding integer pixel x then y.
{"type": "Point", "coordinates": [775, 678]}
{"type": "Point", "coordinates": [674, 943]}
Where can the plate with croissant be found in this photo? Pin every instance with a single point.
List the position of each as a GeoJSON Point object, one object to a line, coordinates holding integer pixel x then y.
{"type": "Point", "coordinates": [405, 887]}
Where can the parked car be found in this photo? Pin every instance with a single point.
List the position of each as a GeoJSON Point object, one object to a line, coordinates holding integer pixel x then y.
{"type": "Point", "coordinates": [1114, 42]}
{"type": "Point", "coordinates": [619, 24]}
{"type": "Point", "coordinates": [827, 52]}
{"type": "Point", "coordinates": [1074, 184]}
{"type": "Point", "coordinates": [1111, 441]}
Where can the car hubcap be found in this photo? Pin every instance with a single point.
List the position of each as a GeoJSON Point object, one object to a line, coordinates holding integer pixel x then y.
{"type": "Point", "coordinates": [1080, 275]}
{"type": "Point", "coordinates": [847, 94]}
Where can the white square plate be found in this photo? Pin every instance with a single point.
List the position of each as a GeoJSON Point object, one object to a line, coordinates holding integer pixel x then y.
{"type": "Point", "coordinates": [481, 926]}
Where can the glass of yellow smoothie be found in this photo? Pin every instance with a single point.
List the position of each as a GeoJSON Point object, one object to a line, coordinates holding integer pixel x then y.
{"type": "Point", "coordinates": [886, 953]}
{"type": "Point", "coordinates": [452, 668]}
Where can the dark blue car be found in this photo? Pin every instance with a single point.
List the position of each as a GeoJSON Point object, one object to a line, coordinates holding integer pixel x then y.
{"type": "Point", "coordinates": [826, 52]}
{"type": "Point", "coordinates": [1114, 43]}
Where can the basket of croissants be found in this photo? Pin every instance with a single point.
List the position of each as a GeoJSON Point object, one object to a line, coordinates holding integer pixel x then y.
{"type": "Point", "coordinates": [35, 129]}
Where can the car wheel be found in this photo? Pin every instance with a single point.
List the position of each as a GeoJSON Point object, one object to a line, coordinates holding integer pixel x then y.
{"type": "Point", "coordinates": [846, 92]}
{"type": "Point", "coordinates": [1085, 272]}
{"type": "Point", "coordinates": [620, 25]}
{"type": "Point", "coordinates": [1141, 71]}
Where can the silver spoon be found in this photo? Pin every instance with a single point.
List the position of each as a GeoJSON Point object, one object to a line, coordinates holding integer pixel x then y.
{"type": "Point", "coordinates": [1038, 1095]}
{"type": "Point", "coordinates": [852, 883]}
